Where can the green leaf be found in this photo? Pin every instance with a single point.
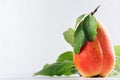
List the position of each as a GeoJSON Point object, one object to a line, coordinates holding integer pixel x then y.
{"type": "Point", "coordinates": [117, 50]}
{"type": "Point", "coordinates": [117, 53]}
{"type": "Point", "coordinates": [79, 28]}
{"type": "Point", "coordinates": [64, 66]}
{"type": "Point", "coordinates": [46, 65]}
{"type": "Point", "coordinates": [57, 69]}
{"type": "Point", "coordinates": [68, 55]}
{"type": "Point", "coordinates": [90, 27]}
{"type": "Point", "coordinates": [69, 36]}
{"type": "Point", "coordinates": [71, 71]}
{"type": "Point", "coordinates": [50, 70]}
{"type": "Point", "coordinates": [116, 71]}
{"type": "Point", "coordinates": [79, 41]}
{"type": "Point", "coordinates": [79, 19]}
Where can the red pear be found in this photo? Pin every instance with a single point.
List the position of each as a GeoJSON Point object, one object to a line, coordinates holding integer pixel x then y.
{"type": "Point", "coordinates": [96, 58]}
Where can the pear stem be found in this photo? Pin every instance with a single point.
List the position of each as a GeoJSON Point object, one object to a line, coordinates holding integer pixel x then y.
{"type": "Point", "coordinates": [92, 13]}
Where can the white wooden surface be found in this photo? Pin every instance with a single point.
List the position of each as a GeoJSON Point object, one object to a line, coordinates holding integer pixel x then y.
{"type": "Point", "coordinates": [56, 78]}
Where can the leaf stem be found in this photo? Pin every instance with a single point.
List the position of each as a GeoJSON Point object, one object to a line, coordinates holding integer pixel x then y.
{"type": "Point", "coordinates": [92, 13]}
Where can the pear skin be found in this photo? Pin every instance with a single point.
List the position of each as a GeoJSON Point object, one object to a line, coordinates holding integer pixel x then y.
{"type": "Point", "coordinates": [108, 51]}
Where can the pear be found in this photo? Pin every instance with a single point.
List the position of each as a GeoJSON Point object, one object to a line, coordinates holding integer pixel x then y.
{"type": "Point", "coordinates": [96, 58]}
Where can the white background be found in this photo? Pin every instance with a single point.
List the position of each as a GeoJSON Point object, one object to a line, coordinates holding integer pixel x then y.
{"type": "Point", "coordinates": [31, 30]}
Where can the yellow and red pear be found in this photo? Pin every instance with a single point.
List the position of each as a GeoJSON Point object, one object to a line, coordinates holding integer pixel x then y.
{"type": "Point", "coordinates": [96, 58]}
